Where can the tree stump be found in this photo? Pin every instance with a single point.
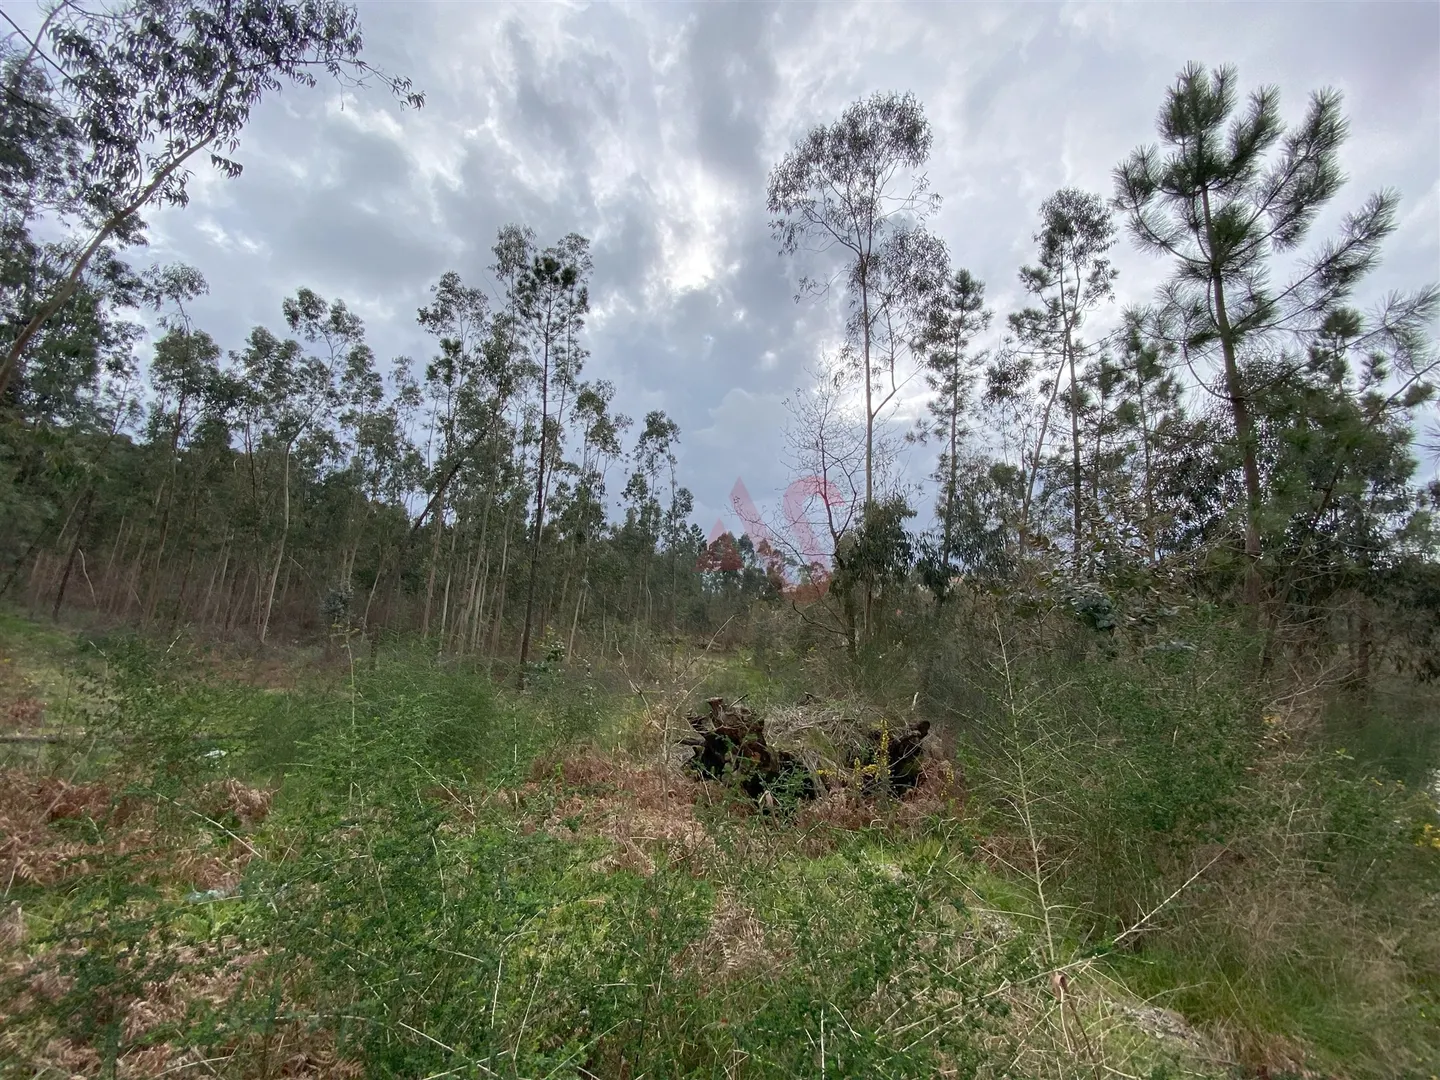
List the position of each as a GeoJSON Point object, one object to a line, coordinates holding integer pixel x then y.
{"type": "Point", "coordinates": [729, 742]}
{"type": "Point", "coordinates": [899, 755]}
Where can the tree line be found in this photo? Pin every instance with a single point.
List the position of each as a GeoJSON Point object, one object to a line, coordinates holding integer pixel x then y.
{"type": "Point", "coordinates": [290, 482]}
{"type": "Point", "coordinates": [1249, 434]}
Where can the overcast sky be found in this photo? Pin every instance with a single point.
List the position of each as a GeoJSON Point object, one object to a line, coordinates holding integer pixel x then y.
{"type": "Point", "coordinates": [651, 128]}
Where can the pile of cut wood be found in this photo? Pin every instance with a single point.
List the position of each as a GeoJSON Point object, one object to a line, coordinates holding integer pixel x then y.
{"type": "Point", "coordinates": [729, 742]}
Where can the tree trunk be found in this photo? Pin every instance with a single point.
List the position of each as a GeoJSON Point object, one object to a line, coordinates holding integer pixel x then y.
{"type": "Point", "coordinates": [539, 511]}
{"type": "Point", "coordinates": [475, 616]}
{"type": "Point", "coordinates": [430, 577]}
{"type": "Point", "coordinates": [280, 550]}
{"type": "Point", "coordinates": [1076, 473]}
{"type": "Point", "coordinates": [449, 573]}
{"type": "Point", "coordinates": [132, 579]}
{"type": "Point", "coordinates": [1244, 428]}
{"type": "Point", "coordinates": [115, 547]}
{"type": "Point", "coordinates": [579, 600]}
{"type": "Point", "coordinates": [218, 576]}
{"type": "Point", "coordinates": [1034, 469]}
{"type": "Point", "coordinates": [500, 593]}
{"type": "Point", "coordinates": [951, 478]}
{"type": "Point", "coordinates": [184, 583]}
{"type": "Point", "coordinates": [1149, 481]}
{"type": "Point", "coordinates": [74, 549]}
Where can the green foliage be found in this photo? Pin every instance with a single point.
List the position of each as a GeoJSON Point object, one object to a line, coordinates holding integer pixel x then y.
{"type": "Point", "coordinates": [454, 879]}
{"type": "Point", "coordinates": [423, 899]}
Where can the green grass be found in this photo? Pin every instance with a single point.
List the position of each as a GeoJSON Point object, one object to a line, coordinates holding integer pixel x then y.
{"type": "Point", "coordinates": [1394, 731]}
{"type": "Point", "coordinates": [456, 879]}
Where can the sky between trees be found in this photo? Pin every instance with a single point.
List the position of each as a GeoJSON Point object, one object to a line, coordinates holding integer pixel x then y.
{"type": "Point", "coordinates": [651, 130]}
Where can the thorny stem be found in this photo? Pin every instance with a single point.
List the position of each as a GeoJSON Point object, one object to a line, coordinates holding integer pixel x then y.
{"type": "Point", "coordinates": [1013, 709]}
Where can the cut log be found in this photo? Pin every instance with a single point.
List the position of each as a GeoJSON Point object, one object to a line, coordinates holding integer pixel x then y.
{"type": "Point", "coordinates": [730, 744]}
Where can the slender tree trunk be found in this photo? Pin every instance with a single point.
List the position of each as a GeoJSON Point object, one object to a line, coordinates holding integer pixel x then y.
{"type": "Point", "coordinates": [579, 600]}
{"type": "Point", "coordinates": [115, 547]}
{"type": "Point", "coordinates": [132, 580]}
{"type": "Point", "coordinates": [449, 573]}
{"type": "Point", "coordinates": [74, 550]}
{"type": "Point", "coordinates": [478, 623]}
{"type": "Point", "coordinates": [951, 479]}
{"type": "Point", "coordinates": [1244, 426]}
{"type": "Point", "coordinates": [1076, 473]}
{"type": "Point", "coordinates": [184, 583]}
{"type": "Point", "coordinates": [239, 589]}
{"type": "Point", "coordinates": [218, 576]}
{"type": "Point", "coordinates": [280, 549]}
{"type": "Point", "coordinates": [157, 567]}
{"type": "Point", "coordinates": [1097, 453]}
{"type": "Point", "coordinates": [434, 562]}
{"type": "Point", "coordinates": [500, 592]}
{"type": "Point", "coordinates": [869, 413]}
{"type": "Point", "coordinates": [1034, 469]}
{"type": "Point", "coordinates": [1148, 450]}
{"type": "Point", "coordinates": [559, 605]}
{"type": "Point", "coordinates": [475, 617]}
{"type": "Point", "coordinates": [465, 600]}
{"type": "Point", "coordinates": [539, 510]}
{"type": "Point", "coordinates": [231, 596]}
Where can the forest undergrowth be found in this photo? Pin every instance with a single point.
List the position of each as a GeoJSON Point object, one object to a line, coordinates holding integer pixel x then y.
{"type": "Point", "coordinates": [371, 754]}
{"type": "Point", "coordinates": [312, 866]}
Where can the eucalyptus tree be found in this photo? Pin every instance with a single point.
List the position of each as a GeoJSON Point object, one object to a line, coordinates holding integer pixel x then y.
{"type": "Point", "coordinates": [81, 388]}
{"type": "Point", "coordinates": [459, 317]}
{"type": "Point", "coordinates": [855, 187]}
{"type": "Point", "coordinates": [583, 519]}
{"type": "Point", "coordinates": [40, 151]}
{"type": "Point", "coordinates": [954, 316]}
{"type": "Point", "coordinates": [553, 300]}
{"type": "Point", "coordinates": [1232, 190]}
{"type": "Point", "coordinates": [1071, 276]}
{"type": "Point", "coordinates": [381, 463]}
{"type": "Point", "coordinates": [647, 519]}
{"type": "Point", "coordinates": [149, 88]}
{"type": "Point", "coordinates": [184, 373]}
{"type": "Point", "coordinates": [40, 145]}
{"type": "Point", "coordinates": [508, 360]}
{"type": "Point", "coordinates": [292, 392]}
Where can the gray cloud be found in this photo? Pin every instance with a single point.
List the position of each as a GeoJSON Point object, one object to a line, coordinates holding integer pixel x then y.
{"type": "Point", "coordinates": [651, 129]}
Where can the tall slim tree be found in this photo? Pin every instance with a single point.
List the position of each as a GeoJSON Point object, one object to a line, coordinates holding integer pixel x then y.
{"type": "Point", "coordinates": [954, 316]}
{"type": "Point", "coordinates": [1231, 190]}
{"type": "Point", "coordinates": [856, 187]}
{"type": "Point", "coordinates": [1151, 416]}
{"type": "Point", "coordinates": [459, 317]}
{"type": "Point", "coordinates": [1071, 276]}
{"type": "Point", "coordinates": [554, 298]}
{"type": "Point", "coordinates": [292, 394]}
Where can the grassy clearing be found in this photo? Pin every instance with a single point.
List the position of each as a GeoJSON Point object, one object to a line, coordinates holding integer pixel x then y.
{"type": "Point", "coordinates": [410, 872]}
